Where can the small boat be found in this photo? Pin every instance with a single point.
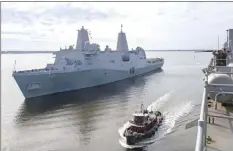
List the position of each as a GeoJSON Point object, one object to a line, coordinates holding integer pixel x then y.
{"type": "Point", "coordinates": [141, 128]}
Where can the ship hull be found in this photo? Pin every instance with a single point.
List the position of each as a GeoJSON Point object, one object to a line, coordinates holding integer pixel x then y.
{"type": "Point", "coordinates": [67, 81]}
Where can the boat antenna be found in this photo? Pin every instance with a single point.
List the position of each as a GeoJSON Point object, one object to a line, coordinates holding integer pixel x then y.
{"type": "Point", "coordinates": [218, 42]}
{"type": "Point", "coordinates": [142, 107]}
{"type": "Point", "coordinates": [121, 27]}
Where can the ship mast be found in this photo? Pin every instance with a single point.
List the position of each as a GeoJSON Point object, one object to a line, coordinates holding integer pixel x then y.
{"type": "Point", "coordinates": [121, 27]}
{"type": "Point", "coordinates": [227, 39]}
{"type": "Point", "coordinates": [142, 107]}
{"type": "Point", "coordinates": [14, 66]}
{"type": "Point", "coordinates": [122, 44]}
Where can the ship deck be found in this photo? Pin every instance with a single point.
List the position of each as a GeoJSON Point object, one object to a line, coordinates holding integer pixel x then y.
{"type": "Point", "coordinates": [221, 129]}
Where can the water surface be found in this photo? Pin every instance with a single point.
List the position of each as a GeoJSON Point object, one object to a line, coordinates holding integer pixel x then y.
{"type": "Point", "coordinates": [89, 119]}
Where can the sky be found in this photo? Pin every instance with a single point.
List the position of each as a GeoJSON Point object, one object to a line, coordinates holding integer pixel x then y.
{"type": "Point", "coordinates": [152, 25]}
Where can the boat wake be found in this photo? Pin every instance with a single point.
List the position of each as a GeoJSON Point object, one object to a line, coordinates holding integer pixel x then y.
{"type": "Point", "coordinates": [160, 102]}
{"type": "Point", "coordinates": [170, 118]}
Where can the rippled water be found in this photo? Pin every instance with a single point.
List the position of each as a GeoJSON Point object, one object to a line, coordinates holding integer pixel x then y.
{"type": "Point", "coordinates": [89, 119]}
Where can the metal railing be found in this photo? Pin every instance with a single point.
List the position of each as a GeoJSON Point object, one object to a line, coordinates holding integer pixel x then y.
{"type": "Point", "coordinates": [216, 97]}
{"type": "Point", "coordinates": [228, 59]}
{"type": "Point", "coordinates": [201, 132]}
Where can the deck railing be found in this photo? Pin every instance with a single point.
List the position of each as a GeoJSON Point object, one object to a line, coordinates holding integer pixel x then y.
{"type": "Point", "coordinates": [229, 59]}
{"type": "Point", "coordinates": [201, 133]}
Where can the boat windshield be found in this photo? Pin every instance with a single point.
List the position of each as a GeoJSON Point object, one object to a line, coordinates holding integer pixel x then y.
{"type": "Point", "coordinates": [139, 120]}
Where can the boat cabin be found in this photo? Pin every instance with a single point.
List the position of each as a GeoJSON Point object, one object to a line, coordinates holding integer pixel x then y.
{"type": "Point", "coordinates": [140, 118]}
{"type": "Point", "coordinates": [142, 122]}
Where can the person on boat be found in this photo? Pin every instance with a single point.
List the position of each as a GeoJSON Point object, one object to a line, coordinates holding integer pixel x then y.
{"type": "Point", "coordinates": [145, 111]}
{"type": "Point", "coordinates": [222, 57]}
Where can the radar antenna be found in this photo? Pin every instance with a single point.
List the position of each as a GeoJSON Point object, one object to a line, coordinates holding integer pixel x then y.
{"type": "Point", "coordinates": [142, 107]}
{"type": "Point", "coordinates": [89, 33]}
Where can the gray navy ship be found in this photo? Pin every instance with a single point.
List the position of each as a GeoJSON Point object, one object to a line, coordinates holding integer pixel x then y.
{"type": "Point", "coordinates": [86, 66]}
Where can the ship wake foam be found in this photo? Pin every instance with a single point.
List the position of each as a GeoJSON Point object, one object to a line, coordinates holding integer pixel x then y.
{"type": "Point", "coordinates": [171, 115]}
{"type": "Point", "coordinates": [156, 105]}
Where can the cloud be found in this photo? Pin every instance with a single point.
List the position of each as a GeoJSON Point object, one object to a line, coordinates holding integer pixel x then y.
{"type": "Point", "coordinates": [73, 14]}
{"type": "Point", "coordinates": [150, 25]}
{"type": "Point", "coordinates": [15, 33]}
{"type": "Point", "coordinates": [56, 15]}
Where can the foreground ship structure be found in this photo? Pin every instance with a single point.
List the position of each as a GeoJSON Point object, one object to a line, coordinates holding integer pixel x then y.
{"type": "Point", "coordinates": [219, 72]}
{"type": "Point", "coordinates": [216, 114]}
{"type": "Point", "coordinates": [85, 66]}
